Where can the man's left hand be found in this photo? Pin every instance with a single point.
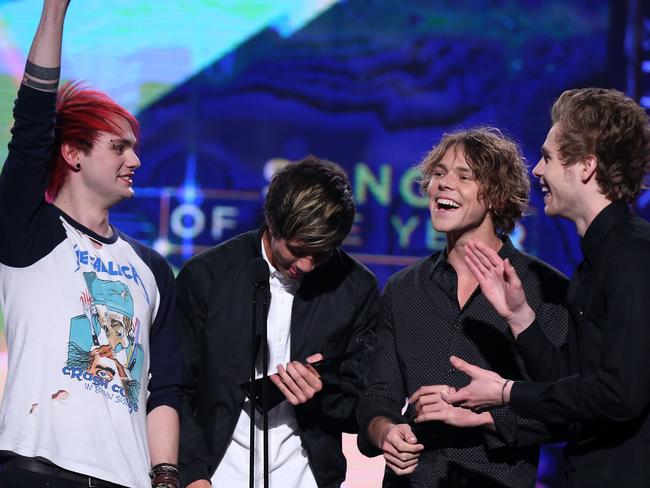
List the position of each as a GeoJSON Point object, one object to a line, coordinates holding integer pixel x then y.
{"type": "Point", "coordinates": [485, 390]}
{"type": "Point", "coordinates": [430, 406]}
{"type": "Point", "coordinates": [299, 382]}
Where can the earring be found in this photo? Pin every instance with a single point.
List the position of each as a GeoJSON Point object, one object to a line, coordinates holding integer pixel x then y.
{"type": "Point", "coordinates": [78, 166]}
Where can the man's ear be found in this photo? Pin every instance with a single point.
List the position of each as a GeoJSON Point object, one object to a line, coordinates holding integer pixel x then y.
{"type": "Point", "coordinates": [268, 226]}
{"type": "Point", "coordinates": [589, 164]}
{"type": "Point", "coordinates": [71, 155]}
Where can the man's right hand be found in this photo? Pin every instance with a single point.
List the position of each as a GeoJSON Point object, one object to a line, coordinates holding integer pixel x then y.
{"type": "Point", "coordinates": [398, 443]}
{"type": "Point", "coordinates": [199, 484]}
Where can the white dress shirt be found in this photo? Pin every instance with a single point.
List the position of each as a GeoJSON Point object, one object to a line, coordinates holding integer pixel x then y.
{"type": "Point", "coordinates": [288, 465]}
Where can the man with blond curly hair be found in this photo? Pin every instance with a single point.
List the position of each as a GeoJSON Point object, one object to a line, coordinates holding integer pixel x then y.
{"type": "Point", "coordinates": [477, 186]}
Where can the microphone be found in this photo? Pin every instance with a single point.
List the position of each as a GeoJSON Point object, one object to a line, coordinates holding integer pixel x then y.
{"type": "Point", "coordinates": [259, 271]}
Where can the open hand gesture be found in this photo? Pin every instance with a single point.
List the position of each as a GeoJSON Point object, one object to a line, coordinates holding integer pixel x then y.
{"type": "Point", "coordinates": [500, 285]}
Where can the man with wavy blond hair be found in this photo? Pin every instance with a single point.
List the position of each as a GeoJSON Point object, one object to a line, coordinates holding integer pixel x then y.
{"type": "Point", "coordinates": [477, 186]}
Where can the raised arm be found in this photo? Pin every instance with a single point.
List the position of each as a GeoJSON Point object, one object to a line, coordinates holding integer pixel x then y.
{"type": "Point", "coordinates": [23, 179]}
{"type": "Point", "coordinates": [43, 67]}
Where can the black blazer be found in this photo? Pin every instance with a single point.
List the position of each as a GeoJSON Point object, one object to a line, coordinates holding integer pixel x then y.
{"type": "Point", "coordinates": [335, 309]}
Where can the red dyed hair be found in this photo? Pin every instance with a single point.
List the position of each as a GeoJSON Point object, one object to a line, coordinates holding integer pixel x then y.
{"type": "Point", "coordinates": [81, 114]}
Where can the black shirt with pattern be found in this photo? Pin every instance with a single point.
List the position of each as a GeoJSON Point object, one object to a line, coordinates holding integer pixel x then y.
{"type": "Point", "coordinates": [422, 326]}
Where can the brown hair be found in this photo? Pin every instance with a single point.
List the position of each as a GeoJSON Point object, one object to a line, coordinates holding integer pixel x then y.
{"type": "Point", "coordinates": [310, 202]}
{"type": "Point", "coordinates": [613, 128]}
{"type": "Point", "coordinates": [498, 166]}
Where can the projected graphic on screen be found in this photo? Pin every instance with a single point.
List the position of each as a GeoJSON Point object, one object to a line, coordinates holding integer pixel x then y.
{"type": "Point", "coordinates": [229, 91]}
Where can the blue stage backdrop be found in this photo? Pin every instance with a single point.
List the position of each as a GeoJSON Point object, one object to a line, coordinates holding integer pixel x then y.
{"type": "Point", "coordinates": [227, 92]}
{"type": "Point", "coordinates": [371, 85]}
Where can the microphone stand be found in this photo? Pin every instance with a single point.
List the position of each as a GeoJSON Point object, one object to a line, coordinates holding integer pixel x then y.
{"type": "Point", "coordinates": [259, 301]}
{"type": "Point", "coordinates": [251, 405]}
{"type": "Point", "coordinates": [265, 395]}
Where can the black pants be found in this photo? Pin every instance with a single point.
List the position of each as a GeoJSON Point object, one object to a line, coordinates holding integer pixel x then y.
{"type": "Point", "coordinates": [36, 474]}
{"type": "Point", "coordinates": [27, 479]}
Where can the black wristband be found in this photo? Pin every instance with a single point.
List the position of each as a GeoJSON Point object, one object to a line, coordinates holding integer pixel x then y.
{"type": "Point", "coordinates": [49, 74]}
{"type": "Point", "coordinates": [49, 86]}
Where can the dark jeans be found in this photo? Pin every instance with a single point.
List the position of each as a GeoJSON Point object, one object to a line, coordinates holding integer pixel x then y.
{"type": "Point", "coordinates": [19, 472]}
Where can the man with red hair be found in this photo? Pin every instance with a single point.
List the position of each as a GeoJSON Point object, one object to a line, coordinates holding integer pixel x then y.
{"type": "Point", "coordinates": [82, 114]}
{"type": "Point", "coordinates": [93, 360]}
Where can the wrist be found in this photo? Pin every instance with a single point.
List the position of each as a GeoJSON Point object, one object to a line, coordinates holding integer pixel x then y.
{"type": "Point", "coordinates": [521, 320]}
{"type": "Point", "coordinates": [505, 392]}
{"type": "Point", "coordinates": [378, 430]}
{"type": "Point", "coordinates": [165, 475]}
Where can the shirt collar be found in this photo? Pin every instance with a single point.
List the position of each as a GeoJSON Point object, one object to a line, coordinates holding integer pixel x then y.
{"type": "Point", "coordinates": [597, 232]}
{"type": "Point", "coordinates": [85, 230]}
{"type": "Point", "coordinates": [287, 283]}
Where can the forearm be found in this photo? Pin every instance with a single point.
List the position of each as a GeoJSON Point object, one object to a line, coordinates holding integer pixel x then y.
{"type": "Point", "coordinates": [44, 59]}
{"type": "Point", "coordinates": [521, 320]}
{"type": "Point", "coordinates": [163, 435]}
{"type": "Point", "coordinates": [577, 399]}
{"type": "Point", "coordinates": [195, 461]}
{"type": "Point", "coordinates": [377, 430]}
{"type": "Point", "coordinates": [541, 345]}
{"type": "Point", "coordinates": [343, 387]}
{"type": "Point", "coordinates": [509, 429]}
{"type": "Point", "coordinates": [617, 389]}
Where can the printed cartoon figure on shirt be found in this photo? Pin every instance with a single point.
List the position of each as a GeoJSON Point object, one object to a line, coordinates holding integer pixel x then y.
{"type": "Point", "coordinates": [103, 340]}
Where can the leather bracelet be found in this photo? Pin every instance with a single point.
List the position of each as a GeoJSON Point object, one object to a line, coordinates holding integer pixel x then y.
{"type": "Point", "coordinates": [165, 475]}
{"type": "Point", "coordinates": [503, 391]}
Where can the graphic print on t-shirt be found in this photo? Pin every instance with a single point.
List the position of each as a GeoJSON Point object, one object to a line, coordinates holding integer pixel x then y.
{"type": "Point", "coordinates": [103, 348]}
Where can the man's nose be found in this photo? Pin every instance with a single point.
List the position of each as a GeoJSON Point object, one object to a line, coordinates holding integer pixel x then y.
{"type": "Point", "coordinates": [305, 264]}
{"type": "Point", "coordinates": [133, 160]}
